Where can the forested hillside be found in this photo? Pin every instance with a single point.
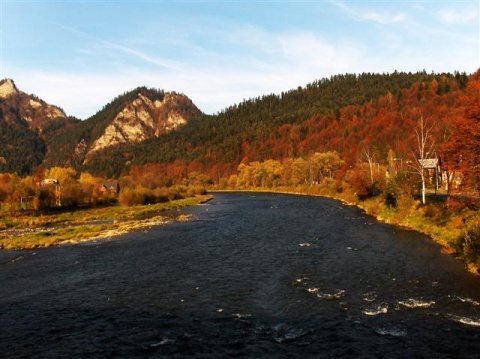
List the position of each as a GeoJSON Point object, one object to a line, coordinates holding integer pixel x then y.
{"type": "Point", "coordinates": [141, 104]}
{"type": "Point", "coordinates": [21, 150]}
{"type": "Point", "coordinates": [26, 126]}
{"type": "Point", "coordinates": [297, 122]}
{"type": "Point", "coordinates": [345, 113]}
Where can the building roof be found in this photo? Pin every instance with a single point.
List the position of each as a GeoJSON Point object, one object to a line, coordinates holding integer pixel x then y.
{"type": "Point", "coordinates": [429, 162]}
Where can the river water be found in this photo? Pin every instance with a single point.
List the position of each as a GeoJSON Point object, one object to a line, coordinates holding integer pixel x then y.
{"type": "Point", "coordinates": [251, 276]}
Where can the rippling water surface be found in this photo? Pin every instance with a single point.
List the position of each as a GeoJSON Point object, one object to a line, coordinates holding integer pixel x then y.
{"type": "Point", "coordinates": [254, 276]}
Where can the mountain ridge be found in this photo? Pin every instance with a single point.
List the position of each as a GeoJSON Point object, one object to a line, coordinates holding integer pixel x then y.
{"type": "Point", "coordinates": [26, 125]}
{"type": "Point", "coordinates": [135, 116]}
{"type": "Point", "coordinates": [153, 126]}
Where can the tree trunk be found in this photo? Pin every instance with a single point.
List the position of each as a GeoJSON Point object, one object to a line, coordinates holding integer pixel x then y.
{"type": "Point", "coordinates": [423, 189]}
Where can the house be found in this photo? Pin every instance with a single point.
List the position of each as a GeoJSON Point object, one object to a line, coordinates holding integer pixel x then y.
{"type": "Point", "coordinates": [111, 187]}
{"type": "Point", "coordinates": [434, 169]}
{"type": "Point", "coordinates": [429, 163]}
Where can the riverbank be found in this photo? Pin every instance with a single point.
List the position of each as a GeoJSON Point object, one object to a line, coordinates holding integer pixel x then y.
{"type": "Point", "coordinates": [49, 229]}
{"type": "Point", "coordinates": [448, 220]}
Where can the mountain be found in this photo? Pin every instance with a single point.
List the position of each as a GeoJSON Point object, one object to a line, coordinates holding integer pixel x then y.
{"type": "Point", "coordinates": [136, 116]}
{"type": "Point", "coordinates": [257, 129]}
{"type": "Point", "coordinates": [26, 125]}
{"type": "Point", "coordinates": [148, 126]}
{"type": "Point", "coordinates": [35, 133]}
{"type": "Point", "coordinates": [140, 120]}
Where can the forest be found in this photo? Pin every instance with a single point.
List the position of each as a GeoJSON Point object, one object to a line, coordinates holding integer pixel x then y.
{"type": "Point", "coordinates": [377, 125]}
{"type": "Point", "coordinates": [321, 116]}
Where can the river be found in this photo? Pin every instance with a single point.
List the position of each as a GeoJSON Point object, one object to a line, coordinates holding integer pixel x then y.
{"type": "Point", "coordinates": [251, 276]}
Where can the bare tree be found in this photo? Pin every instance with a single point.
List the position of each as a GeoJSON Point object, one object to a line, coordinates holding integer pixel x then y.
{"type": "Point", "coordinates": [370, 157]}
{"type": "Point", "coordinates": [424, 150]}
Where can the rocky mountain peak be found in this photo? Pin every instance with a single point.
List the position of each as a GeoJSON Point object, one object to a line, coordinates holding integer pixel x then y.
{"type": "Point", "coordinates": [7, 88]}
{"type": "Point", "coordinates": [143, 118]}
{"type": "Point", "coordinates": [18, 107]}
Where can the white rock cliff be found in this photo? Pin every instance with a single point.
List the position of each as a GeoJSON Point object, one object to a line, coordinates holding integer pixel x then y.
{"type": "Point", "coordinates": [140, 120]}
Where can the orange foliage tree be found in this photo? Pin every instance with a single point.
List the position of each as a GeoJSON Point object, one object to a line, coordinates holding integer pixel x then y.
{"type": "Point", "coordinates": [462, 150]}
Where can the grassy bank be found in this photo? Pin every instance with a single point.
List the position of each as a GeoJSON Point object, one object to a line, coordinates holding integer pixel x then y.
{"type": "Point", "coordinates": [52, 228]}
{"type": "Point", "coordinates": [452, 222]}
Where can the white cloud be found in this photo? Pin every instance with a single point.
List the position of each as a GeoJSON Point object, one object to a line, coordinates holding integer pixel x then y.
{"type": "Point", "coordinates": [171, 65]}
{"type": "Point", "coordinates": [383, 18]}
{"type": "Point", "coordinates": [459, 16]}
{"type": "Point", "coordinates": [239, 61]}
{"type": "Point", "coordinates": [380, 17]}
{"type": "Point", "coordinates": [130, 51]}
{"type": "Point", "coordinates": [306, 52]}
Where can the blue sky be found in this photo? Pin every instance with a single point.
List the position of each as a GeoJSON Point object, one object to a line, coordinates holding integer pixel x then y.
{"type": "Point", "coordinates": [80, 55]}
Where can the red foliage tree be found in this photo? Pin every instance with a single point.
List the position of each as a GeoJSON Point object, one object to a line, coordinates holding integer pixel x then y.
{"type": "Point", "coordinates": [462, 150]}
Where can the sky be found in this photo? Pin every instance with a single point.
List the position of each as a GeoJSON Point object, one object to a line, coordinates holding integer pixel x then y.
{"type": "Point", "coordinates": [81, 54]}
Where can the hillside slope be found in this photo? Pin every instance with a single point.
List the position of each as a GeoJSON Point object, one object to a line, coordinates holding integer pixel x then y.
{"type": "Point", "coordinates": [248, 129]}
{"type": "Point", "coordinates": [131, 118]}
{"type": "Point", "coordinates": [27, 123]}
{"type": "Point", "coordinates": [145, 126]}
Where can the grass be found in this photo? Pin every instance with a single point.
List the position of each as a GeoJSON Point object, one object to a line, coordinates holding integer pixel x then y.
{"type": "Point", "coordinates": [48, 229]}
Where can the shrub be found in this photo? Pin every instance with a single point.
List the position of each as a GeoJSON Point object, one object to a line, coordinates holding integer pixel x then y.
{"type": "Point", "coordinates": [359, 181]}
{"type": "Point", "coordinates": [173, 194]}
{"type": "Point", "coordinates": [432, 210]}
{"type": "Point", "coordinates": [196, 190]}
{"type": "Point", "coordinates": [471, 244]}
{"type": "Point", "coordinates": [133, 197]}
{"type": "Point", "coordinates": [126, 197]}
{"type": "Point", "coordinates": [400, 185]}
{"type": "Point", "coordinates": [161, 195]}
{"type": "Point", "coordinates": [141, 195]}
{"type": "Point", "coordinates": [372, 206]}
{"type": "Point", "coordinates": [454, 204]}
{"type": "Point", "coordinates": [406, 205]}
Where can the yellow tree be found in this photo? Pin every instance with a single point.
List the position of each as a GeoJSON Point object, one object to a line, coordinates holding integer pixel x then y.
{"type": "Point", "coordinates": [301, 173]}
{"type": "Point", "coordinates": [68, 193]}
{"type": "Point", "coordinates": [63, 175]}
{"type": "Point", "coordinates": [272, 170]}
{"type": "Point", "coordinates": [325, 164]}
{"type": "Point", "coordinates": [91, 188]}
{"type": "Point", "coordinates": [17, 192]}
{"type": "Point", "coordinates": [244, 175]}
